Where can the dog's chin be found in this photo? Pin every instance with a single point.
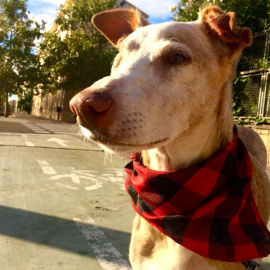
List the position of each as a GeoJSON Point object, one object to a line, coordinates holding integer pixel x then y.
{"type": "Point", "coordinates": [114, 146]}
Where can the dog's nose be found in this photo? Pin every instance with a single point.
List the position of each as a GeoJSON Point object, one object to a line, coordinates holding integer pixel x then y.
{"type": "Point", "coordinates": [90, 103]}
{"type": "Point", "coordinates": [91, 107]}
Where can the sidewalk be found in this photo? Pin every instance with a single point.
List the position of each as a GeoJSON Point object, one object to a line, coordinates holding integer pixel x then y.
{"type": "Point", "coordinates": [31, 117]}
{"type": "Point", "coordinates": [27, 123]}
{"type": "Point", "coordinates": [14, 125]}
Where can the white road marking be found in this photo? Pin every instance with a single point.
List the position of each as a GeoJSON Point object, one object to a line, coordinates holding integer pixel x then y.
{"type": "Point", "coordinates": [29, 144]}
{"type": "Point", "coordinates": [53, 130]}
{"type": "Point", "coordinates": [45, 166]}
{"type": "Point", "coordinates": [59, 141]}
{"type": "Point", "coordinates": [104, 250]}
{"type": "Point", "coordinates": [96, 186]}
{"type": "Point", "coordinates": [24, 136]}
{"type": "Point", "coordinates": [75, 178]}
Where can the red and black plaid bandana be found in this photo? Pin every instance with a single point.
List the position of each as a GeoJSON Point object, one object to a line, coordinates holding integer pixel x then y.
{"type": "Point", "coordinates": [207, 208]}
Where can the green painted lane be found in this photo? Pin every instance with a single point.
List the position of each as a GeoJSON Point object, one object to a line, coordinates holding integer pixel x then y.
{"type": "Point", "coordinates": [63, 209]}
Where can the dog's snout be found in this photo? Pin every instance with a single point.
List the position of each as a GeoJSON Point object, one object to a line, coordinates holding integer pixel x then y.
{"type": "Point", "coordinates": [92, 104]}
{"type": "Point", "coordinates": [91, 107]}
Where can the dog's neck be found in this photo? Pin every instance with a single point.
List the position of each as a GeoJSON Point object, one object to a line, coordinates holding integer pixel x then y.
{"type": "Point", "coordinates": [198, 142]}
{"type": "Point", "coordinates": [186, 150]}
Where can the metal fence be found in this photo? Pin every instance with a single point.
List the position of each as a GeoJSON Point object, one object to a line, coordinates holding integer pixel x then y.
{"type": "Point", "coordinates": [267, 99]}
{"type": "Point", "coordinates": [257, 88]}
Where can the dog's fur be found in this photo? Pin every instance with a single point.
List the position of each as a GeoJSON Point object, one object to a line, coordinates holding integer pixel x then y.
{"type": "Point", "coordinates": [169, 96]}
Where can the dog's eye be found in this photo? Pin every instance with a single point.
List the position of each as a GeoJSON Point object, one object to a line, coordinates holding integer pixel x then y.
{"type": "Point", "coordinates": [177, 58]}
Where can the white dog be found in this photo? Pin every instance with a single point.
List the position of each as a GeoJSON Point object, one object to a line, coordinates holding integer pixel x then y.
{"type": "Point", "coordinates": [169, 97]}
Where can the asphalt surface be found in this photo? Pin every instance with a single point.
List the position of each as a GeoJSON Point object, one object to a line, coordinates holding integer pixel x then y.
{"type": "Point", "coordinates": [63, 203]}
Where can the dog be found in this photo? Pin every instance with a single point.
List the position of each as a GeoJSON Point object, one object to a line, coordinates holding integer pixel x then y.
{"type": "Point", "coordinates": [169, 97]}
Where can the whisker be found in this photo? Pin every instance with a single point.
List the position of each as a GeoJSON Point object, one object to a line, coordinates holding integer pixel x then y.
{"type": "Point", "coordinates": [74, 127]}
{"type": "Point", "coordinates": [79, 134]}
{"type": "Point", "coordinates": [65, 120]}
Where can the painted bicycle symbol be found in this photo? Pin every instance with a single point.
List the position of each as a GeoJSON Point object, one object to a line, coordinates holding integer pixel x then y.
{"type": "Point", "coordinates": [77, 177]}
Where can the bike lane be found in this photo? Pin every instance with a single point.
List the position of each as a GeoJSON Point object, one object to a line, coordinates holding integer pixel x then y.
{"type": "Point", "coordinates": [62, 207]}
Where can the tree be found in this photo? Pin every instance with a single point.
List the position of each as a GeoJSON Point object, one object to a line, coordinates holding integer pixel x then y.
{"type": "Point", "coordinates": [254, 14]}
{"type": "Point", "coordinates": [74, 54]}
{"type": "Point", "coordinates": [18, 34]}
{"type": "Point", "coordinates": [25, 102]}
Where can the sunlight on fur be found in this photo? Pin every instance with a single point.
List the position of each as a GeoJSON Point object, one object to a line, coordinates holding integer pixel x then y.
{"type": "Point", "coordinates": [169, 98]}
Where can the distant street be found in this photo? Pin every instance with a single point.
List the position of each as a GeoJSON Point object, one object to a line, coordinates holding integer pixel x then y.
{"type": "Point", "coordinates": [63, 203]}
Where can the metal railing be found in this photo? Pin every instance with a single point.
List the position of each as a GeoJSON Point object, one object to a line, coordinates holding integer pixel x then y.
{"type": "Point", "coordinates": [257, 85]}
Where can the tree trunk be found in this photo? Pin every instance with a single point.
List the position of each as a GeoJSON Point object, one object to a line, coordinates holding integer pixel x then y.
{"type": "Point", "coordinates": [6, 106]}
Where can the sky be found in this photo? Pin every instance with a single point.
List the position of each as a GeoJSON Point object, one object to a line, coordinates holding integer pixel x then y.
{"type": "Point", "coordinates": [158, 10]}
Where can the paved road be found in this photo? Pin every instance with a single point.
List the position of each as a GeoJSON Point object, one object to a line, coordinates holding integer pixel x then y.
{"type": "Point", "coordinates": [63, 204]}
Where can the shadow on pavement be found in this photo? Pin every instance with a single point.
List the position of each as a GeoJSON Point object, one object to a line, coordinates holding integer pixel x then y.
{"type": "Point", "coordinates": [55, 232]}
{"type": "Point", "coordinates": [59, 233]}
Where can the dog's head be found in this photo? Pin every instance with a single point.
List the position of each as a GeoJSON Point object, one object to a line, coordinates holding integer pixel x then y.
{"type": "Point", "coordinates": [164, 78]}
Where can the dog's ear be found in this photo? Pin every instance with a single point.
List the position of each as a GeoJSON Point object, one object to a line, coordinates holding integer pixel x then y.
{"type": "Point", "coordinates": [118, 23]}
{"type": "Point", "coordinates": [222, 26]}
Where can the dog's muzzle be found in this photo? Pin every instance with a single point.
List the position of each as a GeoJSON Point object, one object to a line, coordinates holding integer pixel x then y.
{"type": "Point", "coordinates": [94, 110]}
